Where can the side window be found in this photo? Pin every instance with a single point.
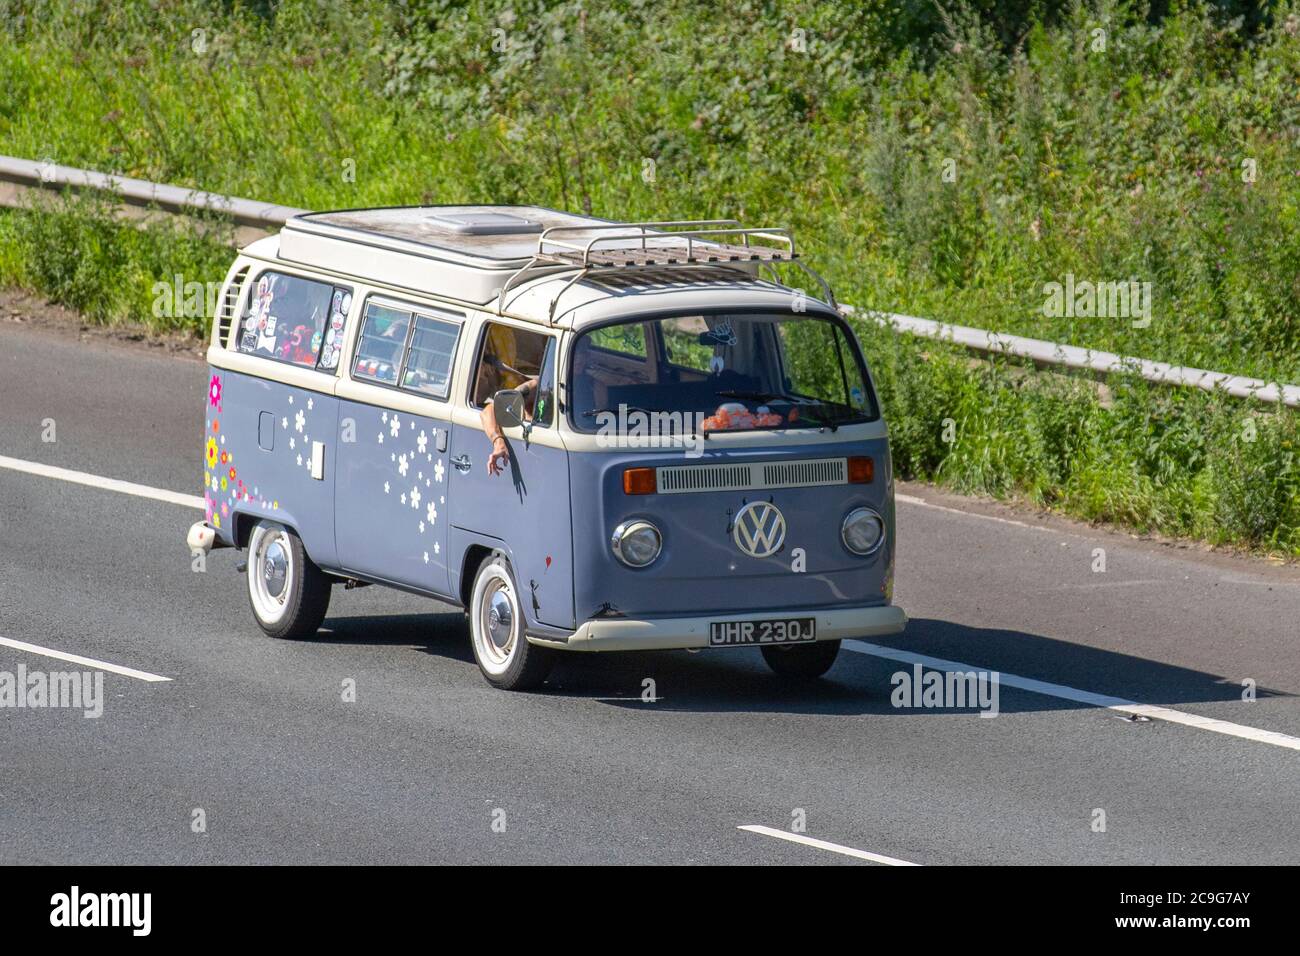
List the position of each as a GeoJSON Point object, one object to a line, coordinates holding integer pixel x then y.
{"type": "Point", "coordinates": [428, 361]}
{"type": "Point", "coordinates": [383, 339]}
{"type": "Point", "coordinates": [290, 319]}
{"type": "Point", "coordinates": [515, 358]}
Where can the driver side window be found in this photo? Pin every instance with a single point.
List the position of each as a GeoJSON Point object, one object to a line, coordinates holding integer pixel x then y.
{"type": "Point", "coordinates": [511, 357]}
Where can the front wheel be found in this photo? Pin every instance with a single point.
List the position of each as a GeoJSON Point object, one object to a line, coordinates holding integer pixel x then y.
{"type": "Point", "coordinates": [288, 592]}
{"type": "Point", "coordinates": [801, 661]}
{"type": "Point", "coordinates": [496, 624]}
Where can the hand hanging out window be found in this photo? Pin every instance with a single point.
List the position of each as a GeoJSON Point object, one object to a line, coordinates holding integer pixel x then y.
{"type": "Point", "coordinates": [513, 358]}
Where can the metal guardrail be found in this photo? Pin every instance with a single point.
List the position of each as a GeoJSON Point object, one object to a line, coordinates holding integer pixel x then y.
{"type": "Point", "coordinates": [1073, 356]}
{"type": "Point", "coordinates": [18, 176]}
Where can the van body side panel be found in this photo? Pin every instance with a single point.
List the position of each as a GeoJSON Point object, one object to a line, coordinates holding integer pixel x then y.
{"type": "Point", "coordinates": [527, 508]}
{"type": "Point", "coordinates": [392, 496]}
{"type": "Point", "coordinates": [701, 570]}
{"type": "Point", "coordinates": [258, 453]}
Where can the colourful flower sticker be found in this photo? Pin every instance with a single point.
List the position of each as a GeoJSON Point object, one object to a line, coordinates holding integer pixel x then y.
{"type": "Point", "coordinates": [212, 453]}
{"type": "Point", "coordinates": [214, 392]}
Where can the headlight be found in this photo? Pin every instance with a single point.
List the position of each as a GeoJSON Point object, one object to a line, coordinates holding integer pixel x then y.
{"type": "Point", "coordinates": [636, 543]}
{"type": "Point", "coordinates": [863, 531]}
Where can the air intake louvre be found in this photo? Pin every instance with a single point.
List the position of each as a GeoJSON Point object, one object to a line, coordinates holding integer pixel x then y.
{"type": "Point", "coordinates": [703, 478]}
{"type": "Point", "coordinates": [229, 302]}
{"type": "Point", "coordinates": [683, 479]}
{"type": "Point", "coordinates": [787, 474]}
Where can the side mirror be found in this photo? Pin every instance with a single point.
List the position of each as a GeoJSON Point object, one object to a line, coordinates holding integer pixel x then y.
{"type": "Point", "coordinates": [508, 405]}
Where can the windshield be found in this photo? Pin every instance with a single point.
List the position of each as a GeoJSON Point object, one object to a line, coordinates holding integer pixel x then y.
{"type": "Point", "coordinates": [721, 372]}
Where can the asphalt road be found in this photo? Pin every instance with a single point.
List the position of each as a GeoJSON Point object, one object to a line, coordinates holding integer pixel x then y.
{"type": "Point", "coordinates": [255, 733]}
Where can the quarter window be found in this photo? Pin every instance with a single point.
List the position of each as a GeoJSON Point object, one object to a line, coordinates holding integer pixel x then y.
{"type": "Point", "coordinates": [295, 320]}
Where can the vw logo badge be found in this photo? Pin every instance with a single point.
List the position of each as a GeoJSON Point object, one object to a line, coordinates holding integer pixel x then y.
{"type": "Point", "coordinates": [759, 529]}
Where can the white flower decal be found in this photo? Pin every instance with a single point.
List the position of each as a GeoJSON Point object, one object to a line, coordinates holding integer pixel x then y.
{"type": "Point", "coordinates": [415, 498]}
{"type": "Point", "coordinates": [438, 470]}
{"type": "Point", "coordinates": [299, 420]}
{"type": "Point", "coordinates": [432, 513]}
{"type": "Point", "coordinates": [385, 487]}
{"type": "Point", "coordinates": [394, 427]}
{"type": "Point", "coordinates": [422, 442]}
{"type": "Point", "coordinates": [402, 466]}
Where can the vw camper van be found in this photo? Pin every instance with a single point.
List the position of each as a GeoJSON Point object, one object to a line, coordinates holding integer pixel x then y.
{"type": "Point", "coordinates": [591, 435]}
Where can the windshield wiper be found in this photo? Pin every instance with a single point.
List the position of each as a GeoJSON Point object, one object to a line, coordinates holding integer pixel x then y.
{"type": "Point", "coordinates": [753, 396]}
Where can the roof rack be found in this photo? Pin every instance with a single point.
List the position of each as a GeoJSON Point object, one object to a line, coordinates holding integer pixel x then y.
{"type": "Point", "coordinates": [637, 245]}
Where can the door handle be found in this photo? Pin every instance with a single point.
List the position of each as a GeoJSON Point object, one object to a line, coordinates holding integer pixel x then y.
{"type": "Point", "coordinates": [461, 463]}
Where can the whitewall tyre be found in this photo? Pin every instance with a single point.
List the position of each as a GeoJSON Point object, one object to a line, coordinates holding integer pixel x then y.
{"type": "Point", "coordinates": [497, 630]}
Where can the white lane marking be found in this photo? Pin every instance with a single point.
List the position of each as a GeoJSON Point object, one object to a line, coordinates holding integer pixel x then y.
{"type": "Point", "coordinates": [1143, 582]}
{"type": "Point", "coordinates": [1118, 704]}
{"type": "Point", "coordinates": [87, 661]}
{"type": "Point", "coordinates": [825, 845]}
{"type": "Point", "coordinates": [910, 500]}
{"type": "Point", "coordinates": [98, 481]}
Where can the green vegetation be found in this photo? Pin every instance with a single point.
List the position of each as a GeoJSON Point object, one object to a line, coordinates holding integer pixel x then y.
{"type": "Point", "coordinates": [945, 160]}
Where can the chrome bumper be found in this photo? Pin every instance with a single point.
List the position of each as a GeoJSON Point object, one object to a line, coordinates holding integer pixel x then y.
{"type": "Point", "coordinates": [656, 634]}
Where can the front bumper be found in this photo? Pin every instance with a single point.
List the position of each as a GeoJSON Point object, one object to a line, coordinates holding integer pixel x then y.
{"type": "Point", "coordinates": [659, 634]}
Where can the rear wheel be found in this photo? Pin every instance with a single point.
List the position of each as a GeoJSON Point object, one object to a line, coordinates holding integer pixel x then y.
{"type": "Point", "coordinates": [801, 661]}
{"type": "Point", "coordinates": [496, 624]}
{"type": "Point", "coordinates": [288, 592]}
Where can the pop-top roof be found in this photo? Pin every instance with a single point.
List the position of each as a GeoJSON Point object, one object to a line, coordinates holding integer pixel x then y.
{"type": "Point", "coordinates": [496, 235]}
{"type": "Point", "coordinates": [478, 253]}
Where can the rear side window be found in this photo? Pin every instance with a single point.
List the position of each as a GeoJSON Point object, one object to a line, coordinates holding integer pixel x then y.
{"type": "Point", "coordinates": [383, 339]}
{"type": "Point", "coordinates": [428, 361]}
{"type": "Point", "coordinates": [295, 320]}
{"type": "Point", "coordinates": [407, 347]}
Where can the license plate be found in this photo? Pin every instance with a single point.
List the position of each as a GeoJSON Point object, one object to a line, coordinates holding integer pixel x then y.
{"type": "Point", "coordinates": [781, 630]}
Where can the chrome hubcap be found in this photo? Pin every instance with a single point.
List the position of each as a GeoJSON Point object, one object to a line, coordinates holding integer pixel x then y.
{"type": "Point", "coordinates": [500, 622]}
{"type": "Point", "coordinates": [276, 569]}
